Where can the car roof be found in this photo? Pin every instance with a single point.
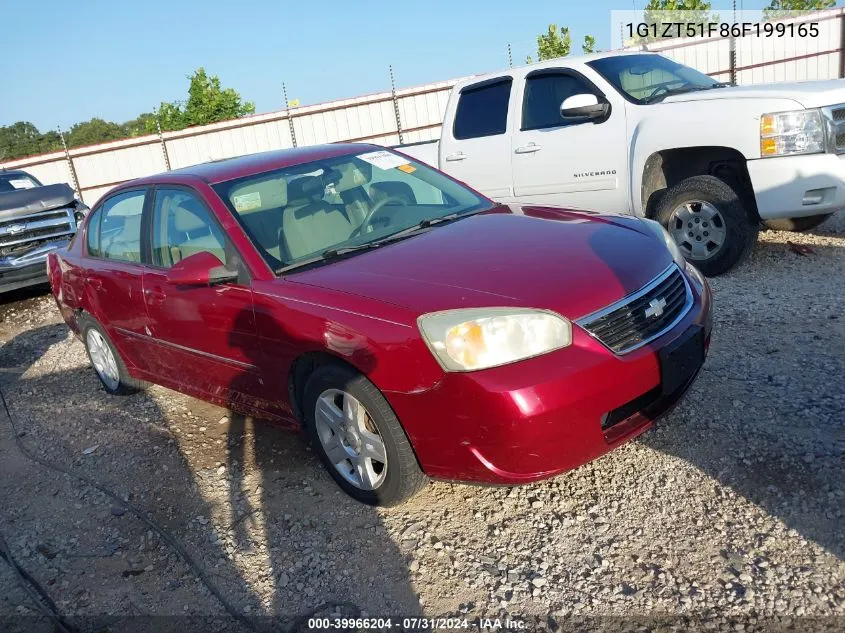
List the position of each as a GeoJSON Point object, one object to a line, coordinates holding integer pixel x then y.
{"type": "Point", "coordinates": [217, 171]}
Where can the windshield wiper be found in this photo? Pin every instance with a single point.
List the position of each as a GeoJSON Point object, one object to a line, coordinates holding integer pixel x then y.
{"type": "Point", "coordinates": [333, 253]}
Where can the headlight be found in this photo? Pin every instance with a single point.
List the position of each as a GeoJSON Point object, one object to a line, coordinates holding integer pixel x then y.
{"type": "Point", "coordinates": [663, 234]}
{"type": "Point", "coordinates": [478, 338]}
{"type": "Point", "coordinates": [797, 132]}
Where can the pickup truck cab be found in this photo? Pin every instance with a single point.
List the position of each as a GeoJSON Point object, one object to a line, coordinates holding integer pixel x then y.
{"type": "Point", "coordinates": [637, 133]}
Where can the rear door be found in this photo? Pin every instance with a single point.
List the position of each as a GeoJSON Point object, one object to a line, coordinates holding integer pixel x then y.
{"type": "Point", "coordinates": [205, 335]}
{"type": "Point", "coordinates": [573, 164]}
{"type": "Point", "coordinates": [113, 274]}
{"type": "Point", "coordinates": [476, 149]}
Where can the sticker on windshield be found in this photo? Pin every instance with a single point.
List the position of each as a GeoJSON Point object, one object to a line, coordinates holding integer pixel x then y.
{"type": "Point", "coordinates": [21, 183]}
{"type": "Point", "coordinates": [407, 168]}
{"type": "Point", "coordinates": [247, 201]}
{"type": "Point", "coordinates": [383, 159]}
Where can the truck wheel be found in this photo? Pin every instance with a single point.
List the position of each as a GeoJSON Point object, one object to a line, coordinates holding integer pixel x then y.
{"type": "Point", "coordinates": [105, 359]}
{"type": "Point", "coordinates": [358, 437]}
{"type": "Point", "coordinates": [796, 224]}
{"type": "Point", "coordinates": [708, 222]}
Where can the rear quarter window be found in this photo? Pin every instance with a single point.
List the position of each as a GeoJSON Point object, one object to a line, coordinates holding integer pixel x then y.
{"type": "Point", "coordinates": [483, 110]}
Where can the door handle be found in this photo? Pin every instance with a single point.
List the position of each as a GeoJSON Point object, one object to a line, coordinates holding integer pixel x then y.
{"type": "Point", "coordinates": [528, 149]}
{"type": "Point", "coordinates": [456, 156]}
{"type": "Point", "coordinates": [154, 295]}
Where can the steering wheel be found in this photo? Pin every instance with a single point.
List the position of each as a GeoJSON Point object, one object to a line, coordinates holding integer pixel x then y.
{"type": "Point", "coordinates": [660, 89]}
{"type": "Point", "coordinates": [369, 217]}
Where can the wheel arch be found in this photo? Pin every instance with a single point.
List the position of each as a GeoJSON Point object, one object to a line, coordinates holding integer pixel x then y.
{"type": "Point", "coordinates": [301, 369]}
{"type": "Point", "coordinates": [667, 167]}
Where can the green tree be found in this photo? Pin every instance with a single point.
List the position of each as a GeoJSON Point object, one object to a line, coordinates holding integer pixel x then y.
{"type": "Point", "coordinates": [784, 8]}
{"type": "Point", "coordinates": [589, 45]}
{"type": "Point", "coordinates": [144, 124]}
{"type": "Point", "coordinates": [662, 12]}
{"type": "Point", "coordinates": [555, 43]}
{"type": "Point", "coordinates": [93, 132]}
{"type": "Point", "coordinates": [24, 139]}
{"type": "Point", "coordinates": [208, 102]}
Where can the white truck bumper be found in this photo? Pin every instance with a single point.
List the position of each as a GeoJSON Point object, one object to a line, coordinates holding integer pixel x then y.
{"type": "Point", "coordinates": [798, 186]}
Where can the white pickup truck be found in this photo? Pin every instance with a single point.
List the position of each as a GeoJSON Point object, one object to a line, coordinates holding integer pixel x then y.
{"type": "Point", "coordinates": [638, 133]}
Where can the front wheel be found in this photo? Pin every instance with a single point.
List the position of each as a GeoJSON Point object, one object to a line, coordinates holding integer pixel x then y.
{"type": "Point", "coordinates": [358, 437]}
{"type": "Point", "coordinates": [796, 224]}
{"type": "Point", "coordinates": [708, 222]}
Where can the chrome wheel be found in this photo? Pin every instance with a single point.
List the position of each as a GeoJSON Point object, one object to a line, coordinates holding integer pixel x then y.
{"type": "Point", "coordinates": [698, 229]}
{"type": "Point", "coordinates": [350, 439]}
{"type": "Point", "coordinates": [104, 361]}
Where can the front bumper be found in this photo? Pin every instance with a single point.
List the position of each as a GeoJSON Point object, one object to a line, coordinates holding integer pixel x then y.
{"type": "Point", "coordinates": [543, 416]}
{"type": "Point", "coordinates": [798, 186]}
{"type": "Point", "coordinates": [28, 268]}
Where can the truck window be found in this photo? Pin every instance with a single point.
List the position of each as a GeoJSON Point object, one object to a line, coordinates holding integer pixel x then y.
{"type": "Point", "coordinates": [483, 110]}
{"type": "Point", "coordinates": [544, 93]}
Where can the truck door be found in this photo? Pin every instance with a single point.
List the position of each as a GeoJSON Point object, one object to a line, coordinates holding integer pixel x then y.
{"type": "Point", "coordinates": [476, 149]}
{"type": "Point", "coordinates": [573, 164]}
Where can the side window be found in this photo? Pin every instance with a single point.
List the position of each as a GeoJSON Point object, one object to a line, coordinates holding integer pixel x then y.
{"type": "Point", "coordinates": [92, 234]}
{"type": "Point", "coordinates": [120, 227]}
{"type": "Point", "coordinates": [483, 111]}
{"type": "Point", "coordinates": [543, 96]}
{"type": "Point", "coordinates": [183, 226]}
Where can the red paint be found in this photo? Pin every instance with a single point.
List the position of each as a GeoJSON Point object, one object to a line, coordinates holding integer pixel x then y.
{"type": "Point", "coordinates": [235, 344]}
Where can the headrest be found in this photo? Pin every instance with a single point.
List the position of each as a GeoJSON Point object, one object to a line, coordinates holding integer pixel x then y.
{"type": "Point", "coordinates": [392, 189]}
{"type": "Point", "coordinates": [353, 175]}
{"type": "Point", "coordinates": [260, 195]}
{"type": "Point", "coordinates": [186, 220]}
{"type": "Point", "coordinates": [306, 188]}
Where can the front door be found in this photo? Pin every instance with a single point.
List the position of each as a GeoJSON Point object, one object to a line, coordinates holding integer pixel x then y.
{"type": "Point", "coordinates": [572, 164]}
{"type": "Point", "coordinates": [477, 148]}
{"type": "Point", "coordinates": [205, 334]}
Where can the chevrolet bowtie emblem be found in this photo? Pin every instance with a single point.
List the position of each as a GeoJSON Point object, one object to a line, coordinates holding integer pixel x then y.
{"type": "Point", "coordinates": [655, 308]}
{"type": "Point", "coordinates": [14, 229]}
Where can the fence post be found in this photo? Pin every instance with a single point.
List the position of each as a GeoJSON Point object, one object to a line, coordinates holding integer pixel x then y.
{"type": "Point", "coordinates": [842, 45]}
{"type": "Point", "coordinates": [290, 118]}
{"type": "Point", "coordinates": [70, 164]}
{"type": "Point", "coordinates": [510, 57]}
{"type": "Point", "coordinates": [733, 50]}
{"type": "Point", "coordinates": [395, 105]}
{"type": "Point", "coordinates": [161, 140]}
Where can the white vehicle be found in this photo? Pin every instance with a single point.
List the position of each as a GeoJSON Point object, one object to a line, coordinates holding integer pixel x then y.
{"type": "Point", "coordinates": [639, 133]}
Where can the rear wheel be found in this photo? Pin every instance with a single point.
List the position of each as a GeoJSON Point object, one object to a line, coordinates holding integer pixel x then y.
{"type": "Point", "coordinates": [358, 437]}
{"type": "Point", "coordinates": [796, 224]}
{"type": "Point", "coordinates": [105, 359]}
{"type": "Point", "coordinates": [708, 222]}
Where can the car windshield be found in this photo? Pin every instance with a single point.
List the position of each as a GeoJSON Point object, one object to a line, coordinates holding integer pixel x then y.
{"type": "Point", "coordinates": [16, 181]}
{"type": "Point", "coordinates": [650, 78]}
{"type": "Point", "coordinates": [315, 211]}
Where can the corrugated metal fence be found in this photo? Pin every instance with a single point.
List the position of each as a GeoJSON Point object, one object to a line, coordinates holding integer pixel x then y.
{"type": "Point", "coordinates": [414, 114]}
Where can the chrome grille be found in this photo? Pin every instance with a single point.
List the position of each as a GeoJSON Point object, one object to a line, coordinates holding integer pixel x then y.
{"type": "Point", "coordinates": [19, 232]}
{"type": "Point", "coordinates": [642, 316]}
{"type": "Point", "coordinates": [835, 122]}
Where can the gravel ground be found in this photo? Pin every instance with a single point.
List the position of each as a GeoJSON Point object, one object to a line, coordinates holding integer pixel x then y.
{"type": "Point", "coordinates": [731, 509]}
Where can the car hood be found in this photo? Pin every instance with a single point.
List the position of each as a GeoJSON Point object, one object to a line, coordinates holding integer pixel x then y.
{"type": "Point", "coordinates": [26, 201]}
{"type": "Point", "coordinates": [571, 262]}
{"type": "Point", "coordinates": [810, 94]}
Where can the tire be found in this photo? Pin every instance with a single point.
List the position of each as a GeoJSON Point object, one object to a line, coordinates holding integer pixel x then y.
{"type": "Point", "coordinates": [400, 477]}
{"type": "Point", "coordinates": [695, 199]}
{"type": "Point", "coordinates": [123, 384]}
{"type": "Point", "coordinates": [796, 224]}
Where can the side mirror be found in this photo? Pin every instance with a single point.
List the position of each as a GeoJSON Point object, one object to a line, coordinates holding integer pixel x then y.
{"type": "Point", "coordinates": [199, 269]}
{"type": "Point", "coordinates": [583, 107]}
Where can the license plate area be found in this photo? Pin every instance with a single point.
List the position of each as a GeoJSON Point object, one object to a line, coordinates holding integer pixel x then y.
{"type": "Point", "coordinates": [681, 359]}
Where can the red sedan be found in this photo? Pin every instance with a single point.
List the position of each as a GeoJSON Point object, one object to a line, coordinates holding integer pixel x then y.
{"type": "Point", "coordinates": [413, 327]}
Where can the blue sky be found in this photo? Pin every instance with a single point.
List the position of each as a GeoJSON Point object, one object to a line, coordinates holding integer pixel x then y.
{"type": "Point", "coordinates": [116, 59]}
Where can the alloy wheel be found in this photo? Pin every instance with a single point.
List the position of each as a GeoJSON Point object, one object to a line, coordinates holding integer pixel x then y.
{"type": "Point", "coordinates": [103, 359]}
{"type": "Point", "coordinates": [698, 229]}
{"type": "Point", "coordinates": [350, 439]}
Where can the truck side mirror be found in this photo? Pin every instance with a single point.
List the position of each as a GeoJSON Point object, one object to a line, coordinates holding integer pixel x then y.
{"type": "Point", "coordinates": [583, 107]}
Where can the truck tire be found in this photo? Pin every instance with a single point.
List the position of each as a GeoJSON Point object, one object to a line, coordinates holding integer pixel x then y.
{"type": "Point", "coordinates": [358, 437]}
{"type": "Point", "coordinates": [708, 222]}
{"type": "Point", "coordinates": [796, 224]}
{"type": "Point", "coordinates": [105, 359]}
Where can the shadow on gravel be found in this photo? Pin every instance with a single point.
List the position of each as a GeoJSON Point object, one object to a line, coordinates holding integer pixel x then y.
{"type": "Point", "coordinates": [294, 531]}
{"type": "Point", "coordinates": [327, 552]}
